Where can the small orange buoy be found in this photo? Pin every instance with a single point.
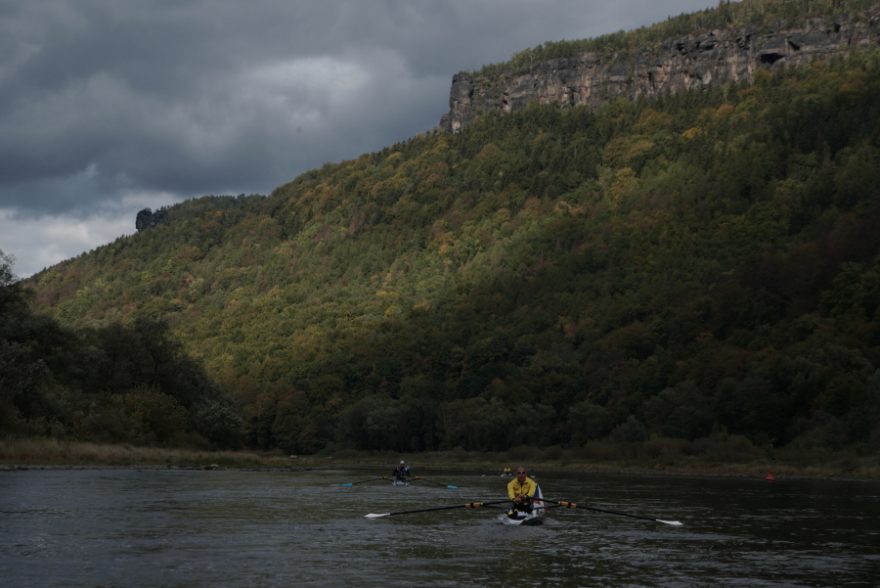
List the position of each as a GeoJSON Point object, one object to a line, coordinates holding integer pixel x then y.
{"type": "Point", "coordinates": [770, 477]}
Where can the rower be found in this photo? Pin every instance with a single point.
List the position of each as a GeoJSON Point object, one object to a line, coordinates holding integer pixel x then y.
{"type": "Point", "coordinates": [401, 472]}
{"type": "Point", "coordinates": [521, 490]}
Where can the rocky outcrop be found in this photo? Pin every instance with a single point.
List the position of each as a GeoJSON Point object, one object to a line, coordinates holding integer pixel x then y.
{"type": "Point", "coordinates": [146, 218]}
{"type": "Point", "coordinates": [692, 62]}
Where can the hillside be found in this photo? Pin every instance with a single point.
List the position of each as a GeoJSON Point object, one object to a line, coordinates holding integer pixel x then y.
{"type": "Point", "coordinates": [699, 266]}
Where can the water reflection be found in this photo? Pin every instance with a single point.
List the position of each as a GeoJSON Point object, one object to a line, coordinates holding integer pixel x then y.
{"type": "Point", "coordinates": [218, 528]}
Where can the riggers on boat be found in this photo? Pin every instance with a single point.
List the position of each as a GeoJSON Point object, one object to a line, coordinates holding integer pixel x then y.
{"type": "Point", "coordinates": [533, 517]}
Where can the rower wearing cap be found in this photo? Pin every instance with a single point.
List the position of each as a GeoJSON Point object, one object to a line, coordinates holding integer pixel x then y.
{"type": "Point", "coordinates": [401, 472]}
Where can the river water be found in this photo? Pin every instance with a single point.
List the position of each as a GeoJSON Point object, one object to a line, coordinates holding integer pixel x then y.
{"type": "Point", "coordinates": [108, 527]}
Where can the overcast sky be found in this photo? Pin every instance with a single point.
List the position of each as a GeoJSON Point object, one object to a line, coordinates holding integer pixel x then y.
{"type": "Point", "coordinates": [111, 106]}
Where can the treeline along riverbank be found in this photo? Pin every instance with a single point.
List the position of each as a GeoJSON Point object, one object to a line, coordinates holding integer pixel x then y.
{"type": "Point", "coordinates": [652, 459]}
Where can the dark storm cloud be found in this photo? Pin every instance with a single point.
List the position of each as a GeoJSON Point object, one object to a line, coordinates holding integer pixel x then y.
{"type": "Point", "coordinates": [107, 100]}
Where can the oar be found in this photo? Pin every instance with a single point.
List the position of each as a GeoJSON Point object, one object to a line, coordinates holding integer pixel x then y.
{"type": "Point", "coordinates": [450, 486]}
{"type": "Point", "coordinates": [568, 504]}
{"type": "Point", "coordinates": [349, 484]}
{"type": "Point", "coordinates": [373, 515]}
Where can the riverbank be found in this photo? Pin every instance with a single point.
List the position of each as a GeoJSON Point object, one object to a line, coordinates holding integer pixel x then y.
{"type": "Point", "coordinates": [52, 453]}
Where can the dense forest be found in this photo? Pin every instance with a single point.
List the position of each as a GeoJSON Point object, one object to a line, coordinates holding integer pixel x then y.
{"type": "Point", "coordinates": [119, 383]}
{"type": "Point", "coordinates": [702, 266]}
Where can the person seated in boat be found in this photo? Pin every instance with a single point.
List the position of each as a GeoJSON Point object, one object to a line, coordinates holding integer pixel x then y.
{"type": "Point", "coordinates": [401, 472]}
{"type": "Point", "coordinates": [521, 489]}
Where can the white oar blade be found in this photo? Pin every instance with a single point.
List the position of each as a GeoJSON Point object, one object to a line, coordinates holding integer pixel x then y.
{"type": "Point", "coordinates": [671, 523]}
{"type": "Point", "coordinates": [374, 515]}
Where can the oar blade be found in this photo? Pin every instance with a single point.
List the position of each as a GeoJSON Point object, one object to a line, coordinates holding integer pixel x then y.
{"type": "Point", "coordinates": [452, 486]}
{"type": "Point", "coordinates": [569, 504]}
{"type": "Point", "coordinates": [374, 515]}
{"type": "Point", "coordinates": [347, 484]}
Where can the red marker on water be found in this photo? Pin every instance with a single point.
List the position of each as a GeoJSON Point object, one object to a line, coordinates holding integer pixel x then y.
{"type": "Point", "coordinates": [770, 477]}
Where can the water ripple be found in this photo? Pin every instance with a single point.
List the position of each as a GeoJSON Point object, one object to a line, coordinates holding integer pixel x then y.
{"type": "Point", "coordinates": [219, 528]}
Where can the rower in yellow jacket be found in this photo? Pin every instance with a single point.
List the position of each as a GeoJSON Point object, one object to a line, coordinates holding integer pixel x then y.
{"type": "Point", "coordinates": [521, 490]}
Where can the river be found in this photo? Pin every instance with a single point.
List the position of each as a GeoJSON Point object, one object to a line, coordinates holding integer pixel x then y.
{"type": "Point", "coordinates": [133, 528]}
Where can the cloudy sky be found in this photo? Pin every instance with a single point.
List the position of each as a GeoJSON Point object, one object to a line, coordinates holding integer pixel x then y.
{"type": "Point", "coordinates": [111, 106]}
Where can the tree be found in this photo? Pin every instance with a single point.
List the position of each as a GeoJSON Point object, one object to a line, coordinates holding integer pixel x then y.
{"type": "Point", "coordinates": [682, 412]}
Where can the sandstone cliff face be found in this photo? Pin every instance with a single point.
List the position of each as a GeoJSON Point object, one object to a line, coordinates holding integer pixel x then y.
{"type": "Point", "coordinates": [692, 62]}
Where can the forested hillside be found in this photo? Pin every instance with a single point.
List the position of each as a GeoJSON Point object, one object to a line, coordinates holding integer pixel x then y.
{"type": "Point", "coordinates": [130, 383]}
{"type": "Point", "coordinates": [693, 267]}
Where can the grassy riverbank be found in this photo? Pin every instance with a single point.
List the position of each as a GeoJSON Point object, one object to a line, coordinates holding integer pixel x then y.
{"type": "Point", "coordinates": [42, 452]}
{"type": "Point", "coordinates": [645, 458]}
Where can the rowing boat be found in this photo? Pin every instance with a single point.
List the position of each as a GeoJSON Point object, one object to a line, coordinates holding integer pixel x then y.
{"type": "Point", "coordinates": [533, 517]}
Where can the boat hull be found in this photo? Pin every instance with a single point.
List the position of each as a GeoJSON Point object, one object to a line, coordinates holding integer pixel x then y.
{"type": "Point", "coordinates": [515, 520]}
{"type": "Point", "coordinates": [535, 517]}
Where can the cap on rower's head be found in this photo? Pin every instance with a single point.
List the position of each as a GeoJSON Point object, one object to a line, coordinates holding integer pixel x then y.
{"type": "Point", "coordinates": [401, 461]}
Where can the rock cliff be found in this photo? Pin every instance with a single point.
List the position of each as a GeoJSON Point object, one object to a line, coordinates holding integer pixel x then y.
{"type": "Point", "coordinates": [686, 63]}
{"type": "Point", "coordinates": [147, 219]}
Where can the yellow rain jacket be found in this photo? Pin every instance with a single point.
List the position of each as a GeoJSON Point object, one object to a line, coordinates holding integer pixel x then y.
{"type": "Point", "coordinates": [528, 488]}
